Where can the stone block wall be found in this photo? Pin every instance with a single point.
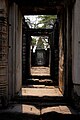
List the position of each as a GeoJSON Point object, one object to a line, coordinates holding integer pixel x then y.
{"type": "Point", "coordinates": [3, 51]}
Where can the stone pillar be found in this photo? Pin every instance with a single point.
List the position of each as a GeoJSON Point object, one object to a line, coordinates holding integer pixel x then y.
{"type": "Point", "coordinates": [55, 52]}
{"type": "Point", "coordinates": [28, 54]}
{"type": "Point", "coordinates": [65, 51]}
{"type": "Point", "coordinates": [68, 52]}
{"type": "Point", "coordinates": [15, 49]}
{"type": "Point", "coordinates": [61, 53]}
{"type": "Point", "coordinates": [76, 47]}
{"type": "Point", "coordinates": [18, 49]}
{"type": "Point", "coordinates": [3, 50]}
{"type": "Point", "coordinates": [12, 50]}
{"type": "Point", "coordinates": [52, 55]}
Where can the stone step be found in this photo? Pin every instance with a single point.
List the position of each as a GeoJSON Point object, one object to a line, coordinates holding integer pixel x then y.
{"type": "Point", "coordinates": [41, 100]}
{"type": "Point", "coordinates": [46, 116]}
{"type": "Point", "coordinates": [40, 81]}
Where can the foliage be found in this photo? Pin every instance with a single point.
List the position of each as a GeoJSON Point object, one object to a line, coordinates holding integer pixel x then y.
{"type": "Point", "coordinates": [42, 21]}
{"type": "Point", "coordinates": [47, 20]}
{"type": "Point", "coordinates": [33, 42]}
{"type": "Point", "coordinates": [31, 23]}
{"type": "Point", "coordinates": [40, 43]}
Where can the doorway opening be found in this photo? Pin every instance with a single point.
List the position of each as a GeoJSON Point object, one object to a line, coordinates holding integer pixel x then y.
{"type": "Point", "coordinates": [41, 58]}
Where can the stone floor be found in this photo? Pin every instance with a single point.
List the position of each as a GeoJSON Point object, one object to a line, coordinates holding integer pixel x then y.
{"type": "Point", "coordinates": [40, 71]}
{"type": "Point", "coordinates": [40, 90]}
{"type": "Point", "coordinates": [39, 111]}
{"type": "Point", "coordinates": [31, 109]}
{"type": "Point", "coordinates": [28, 112]}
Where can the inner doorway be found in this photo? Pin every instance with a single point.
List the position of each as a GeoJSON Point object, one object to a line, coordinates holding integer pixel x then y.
{"type": "Point", "coordinates": [42, 59]}
{"type": "Point", "coordinates": [40, 56]}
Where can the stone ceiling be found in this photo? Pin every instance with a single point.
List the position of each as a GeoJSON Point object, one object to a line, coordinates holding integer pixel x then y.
{"type": "Point", "coordinates": [41, 7]}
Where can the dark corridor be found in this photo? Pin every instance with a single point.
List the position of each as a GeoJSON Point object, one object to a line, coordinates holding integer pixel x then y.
{"type": "Point", "coordinates": [50, 57]}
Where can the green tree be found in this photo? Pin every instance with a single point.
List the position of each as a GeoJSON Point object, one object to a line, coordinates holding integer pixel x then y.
{"type": "Point", "coordinates": [40, 43]}
{"type": "Point", "coordinates": [31, 23]}
{"type": "Point", "coordinates": [47, 21]}
{"type": "Point", "coordinates": [33, 42]}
